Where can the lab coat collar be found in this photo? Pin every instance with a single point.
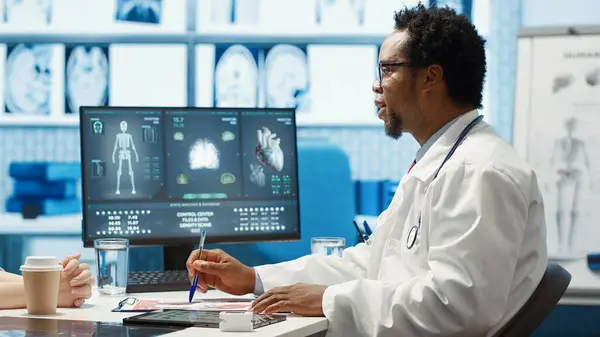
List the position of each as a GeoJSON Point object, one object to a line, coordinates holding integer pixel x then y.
{"type": "Point", "coordinates": [425, 168]}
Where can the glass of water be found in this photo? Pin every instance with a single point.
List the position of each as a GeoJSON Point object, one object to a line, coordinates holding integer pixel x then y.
{"type": "Point", "coordinates": [328, 246]}
{"type": "Point", "coordinates": [112, 264]}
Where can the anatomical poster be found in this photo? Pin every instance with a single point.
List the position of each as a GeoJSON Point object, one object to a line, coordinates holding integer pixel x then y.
{"type": "Point", "coordinates": [557, 129]}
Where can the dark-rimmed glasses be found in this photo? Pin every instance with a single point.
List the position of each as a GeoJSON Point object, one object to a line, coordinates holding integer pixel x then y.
{"type": "Point", "coordinates": [389, 64]}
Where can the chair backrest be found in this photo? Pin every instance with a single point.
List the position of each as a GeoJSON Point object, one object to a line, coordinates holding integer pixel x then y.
{"type": "Point", "coordinates": [553, 285]}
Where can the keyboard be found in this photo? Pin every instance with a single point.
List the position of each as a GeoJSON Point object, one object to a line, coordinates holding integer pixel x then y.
{"type": "Point", "coordinates": [157, 281]}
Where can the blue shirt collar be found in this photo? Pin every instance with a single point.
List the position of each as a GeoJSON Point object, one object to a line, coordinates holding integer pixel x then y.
{"type": "Point", "coordinates": [434, 138]}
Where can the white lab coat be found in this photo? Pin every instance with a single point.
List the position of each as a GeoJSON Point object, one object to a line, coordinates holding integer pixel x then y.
{"type": "Point", "coordinates": [479, 255]}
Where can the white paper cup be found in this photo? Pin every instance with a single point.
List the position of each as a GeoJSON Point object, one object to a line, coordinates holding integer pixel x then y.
{"type": "Point", "coordinates": [41, 276]}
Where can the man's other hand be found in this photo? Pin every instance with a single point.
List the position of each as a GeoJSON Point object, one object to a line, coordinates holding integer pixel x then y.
{"type": "Point", "coordinates": [221, 271]}
{"type": "Point", "coordinates": [75, 282]}
{"type": "Point", "coordinates": [302, 299]}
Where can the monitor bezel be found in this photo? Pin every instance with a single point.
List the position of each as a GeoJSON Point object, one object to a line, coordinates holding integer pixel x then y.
{"type": "Point", "coordinates": [190, 239]}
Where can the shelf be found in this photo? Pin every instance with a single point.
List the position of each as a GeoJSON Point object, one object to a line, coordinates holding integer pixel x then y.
{"type": "Point", "coordinates": [14, 224]}
{"type": "Point", "coordinates": [38, 122]}
{"type": "Point", "coordinates": [226, 37]}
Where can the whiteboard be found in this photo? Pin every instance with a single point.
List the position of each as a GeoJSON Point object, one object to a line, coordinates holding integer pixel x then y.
{"type": "Point", "coordinates": [557, 113]}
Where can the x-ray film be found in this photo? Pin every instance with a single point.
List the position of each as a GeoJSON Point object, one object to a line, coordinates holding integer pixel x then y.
{"type": "Point", "coordinates": [27, 12]}
{"type": "Point", "coordinates": [460, 6]}
{"type": "Point", "coordinates": [287, 78]}
{"type": "Point", "coordinates": [341, 13]}
{"type": "Point", "coordinates": [236, 78]}
{"type": "Point", "coordinates": [145, 11]}
{"type": "Point", "coordinates": [86, 77]}
{"type": "Point", "coordinates": [28, 79]}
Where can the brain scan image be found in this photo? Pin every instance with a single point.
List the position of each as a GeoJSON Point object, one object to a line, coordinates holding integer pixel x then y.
{"type": "Point", "coordinates": [267, 150]}
{"type": "Point", "coordinates": [27, 12]}
{"type": "Point", "coordinates": [29, 79]}
{"type": "Point", "coordinates": [287, 77]}
{"type": "Point", "coordinates": [236, 78]}
{"type": "Point", "coordinates": [145, 11]}
{"type": "Point", "coordinates": [204, 155]}
{"type": "Point", "coordinates": [86, 77]}
{"type": "Point", "coordinates": [342, 13]}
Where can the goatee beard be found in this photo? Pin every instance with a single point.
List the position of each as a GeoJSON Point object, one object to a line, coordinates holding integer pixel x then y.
{"type": "Point", "coordinates": [393, 126]}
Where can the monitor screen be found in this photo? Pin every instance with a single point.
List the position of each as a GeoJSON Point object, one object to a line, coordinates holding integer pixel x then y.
{"type": "Point", "coordinates": [162, 175]}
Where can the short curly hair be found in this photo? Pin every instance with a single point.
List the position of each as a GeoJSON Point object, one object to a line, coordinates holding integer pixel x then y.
{"type": "Point", "coordinates": [438, 35]}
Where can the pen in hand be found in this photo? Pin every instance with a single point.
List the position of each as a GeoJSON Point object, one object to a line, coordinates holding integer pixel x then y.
{"type": "Point", "coordinates": [195, 283]}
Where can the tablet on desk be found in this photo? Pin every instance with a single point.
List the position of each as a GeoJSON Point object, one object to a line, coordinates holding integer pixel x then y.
{"type": "Point", "coordinates": [187, 318]}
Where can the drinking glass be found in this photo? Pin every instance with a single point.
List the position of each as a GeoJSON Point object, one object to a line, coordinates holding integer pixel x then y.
{"type": "Point", "coordinates": [328, 246]}
{"type": "Point", "coordinates": [112, 263]}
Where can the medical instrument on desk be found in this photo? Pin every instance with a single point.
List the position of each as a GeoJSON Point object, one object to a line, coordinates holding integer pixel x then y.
{"type": "Point", "coordinates": [195, 283]}
{"type": "Point", "coordinates": [363, 237]}
{"type": "Point", "coordinates": [411, 239]}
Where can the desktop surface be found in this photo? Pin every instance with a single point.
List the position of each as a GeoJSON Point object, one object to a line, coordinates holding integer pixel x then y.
{"type": "Point", "coordinates": [99, 309]}
{"type": "Point", "coordinates": [40, 327]}
{"type": "Point", "coordinates": [162, 175]}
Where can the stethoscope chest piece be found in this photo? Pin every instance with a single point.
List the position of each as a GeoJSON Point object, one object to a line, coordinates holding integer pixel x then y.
{"type": "Point", "coordinates": [412, 237]}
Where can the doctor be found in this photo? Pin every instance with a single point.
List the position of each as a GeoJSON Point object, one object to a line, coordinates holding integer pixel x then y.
{"type": "Point", "coordinates": [461, 247]}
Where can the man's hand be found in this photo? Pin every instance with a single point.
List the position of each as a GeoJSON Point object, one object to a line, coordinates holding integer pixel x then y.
{"type": "Point", "coordinates": [302, 299]}
{"type": "Point", "coordinates": [75, 282]}
{"type": "Point", "coordinates": [221, 271]}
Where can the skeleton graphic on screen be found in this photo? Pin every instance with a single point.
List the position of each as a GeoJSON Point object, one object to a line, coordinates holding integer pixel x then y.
{"type": "Point", "coordinates": [570, 161]}
{"type": "Point", "coordinates": [124, 142]}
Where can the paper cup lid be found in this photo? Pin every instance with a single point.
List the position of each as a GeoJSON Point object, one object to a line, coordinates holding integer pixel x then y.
{"type": "Point", "coordinates": [41, 263]}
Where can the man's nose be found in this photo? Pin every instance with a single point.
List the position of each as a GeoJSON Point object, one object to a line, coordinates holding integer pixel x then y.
{"type": "Point", "coordinates": [377, 87]}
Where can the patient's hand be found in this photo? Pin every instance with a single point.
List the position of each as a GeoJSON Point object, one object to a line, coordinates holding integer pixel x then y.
{"type": "Point", "coordinates": [75, 282]}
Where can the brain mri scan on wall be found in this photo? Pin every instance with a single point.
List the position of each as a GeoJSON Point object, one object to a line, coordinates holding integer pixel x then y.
{"type": "Point", "coordinates": [144, 11]}
{"type": "Point", "coordinates": [236, 78]}
{"type": "Point", "coordinates": [287, 78]}
{"type": "Point", "coordinates": [27, 12]}
{"type": "Point", "coordinates": [28, 83]}
{"type": "Point", "coordinates": [86, 77]}
{"type": "Point", "coordinates": [342, 13]}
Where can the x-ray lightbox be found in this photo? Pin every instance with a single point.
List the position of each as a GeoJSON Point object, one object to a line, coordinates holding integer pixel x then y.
{"type": "Point", "coordinates": [148, 75]}
{"type": "Point", "coordinates": [93, 16]}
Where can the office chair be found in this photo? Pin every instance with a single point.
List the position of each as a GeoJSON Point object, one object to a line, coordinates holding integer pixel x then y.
{"type": "Point", "coordinates": [553, 285]}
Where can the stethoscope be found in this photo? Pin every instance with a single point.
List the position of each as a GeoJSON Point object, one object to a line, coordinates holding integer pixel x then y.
{"type": "Point", "coordinates": [414, 230]}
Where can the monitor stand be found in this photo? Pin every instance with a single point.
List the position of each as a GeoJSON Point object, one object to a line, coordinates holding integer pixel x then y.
{"type": "Point", "coordinates": [175, 257]}
{"type": "Point", "coordinates": [173, 278]}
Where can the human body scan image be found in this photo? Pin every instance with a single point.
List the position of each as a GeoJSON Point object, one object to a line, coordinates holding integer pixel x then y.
{"type": "Point", "coordinates": [203, 152]}
{"type": "Point", "coordinates": [125, 156]}
{"type": "Point", "coordinates": [342, 13]}
{"type": "Point", "coordinates": [27, 12]}
{"type": "Point", "coordinates": [144, 11]}
{"type": "Point", "coordinates": [236, 78]}
{"type": "Point", "coordinates": [28, 79]}
{"type": "Point", "coordinates": [86, 77]}
{"type": "Point", "coordinates": [268, 143]}
{"type": "Point", "coordinates": [287, 78]}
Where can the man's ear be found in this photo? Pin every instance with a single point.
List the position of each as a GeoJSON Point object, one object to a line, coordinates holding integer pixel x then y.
{"type": "Point", "coordinates": [433, 76]}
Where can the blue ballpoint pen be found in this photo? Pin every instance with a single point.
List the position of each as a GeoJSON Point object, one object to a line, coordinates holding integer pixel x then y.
{"type": "Point", "coordinates": [367, 228]}
{"type": "Point", "coordinates": [200, 247]}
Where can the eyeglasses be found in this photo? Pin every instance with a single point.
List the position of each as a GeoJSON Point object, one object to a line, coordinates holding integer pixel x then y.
{"type": "Point", "coordinates": [388, 72]}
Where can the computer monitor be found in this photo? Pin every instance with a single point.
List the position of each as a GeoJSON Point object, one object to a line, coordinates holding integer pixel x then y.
{"type": "Point", "coordinates": [159, 176]}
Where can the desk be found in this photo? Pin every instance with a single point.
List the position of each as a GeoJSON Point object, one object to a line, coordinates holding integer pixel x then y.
{"type": "Point", "coordinates": [98, 308]}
